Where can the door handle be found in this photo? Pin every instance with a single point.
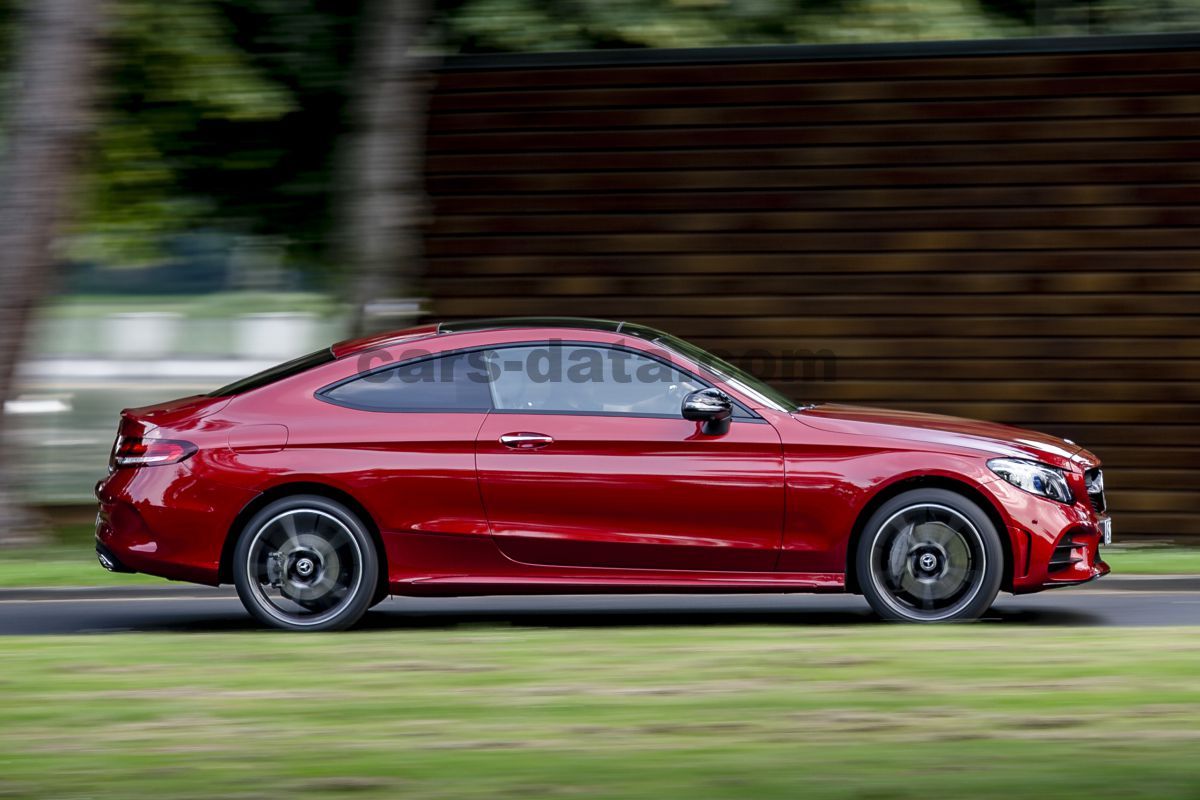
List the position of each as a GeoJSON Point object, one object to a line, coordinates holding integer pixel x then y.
{"type": "Point", "coordinates": [525, 441]}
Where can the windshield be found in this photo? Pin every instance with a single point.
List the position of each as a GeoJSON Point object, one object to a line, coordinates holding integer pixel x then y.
{"type": "Point", "coordinates": [739, 379]}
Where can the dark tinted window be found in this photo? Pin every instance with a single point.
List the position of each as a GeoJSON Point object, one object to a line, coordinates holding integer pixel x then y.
{"type": "Point", "coordinates": [275, 373]}
{"type": "Point", "coordinates": [448, 383]}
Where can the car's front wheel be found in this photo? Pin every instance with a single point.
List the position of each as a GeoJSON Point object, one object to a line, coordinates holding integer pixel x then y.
{"type": "Point", "coordinates": [930, 555]}
{"type": "Point", "coordinates": [306, 563]}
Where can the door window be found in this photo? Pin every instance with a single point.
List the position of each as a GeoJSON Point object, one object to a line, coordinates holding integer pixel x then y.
{"type": "Point", "coordinates": [585, 379]}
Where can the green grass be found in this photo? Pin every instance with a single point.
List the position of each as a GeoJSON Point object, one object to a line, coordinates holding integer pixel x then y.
{"type": "Point", "coordinates": [1153, 560]}
{"type": "Point", "coordinates": [58, 566]}
{"type": "Point", "coordinates": [620, 712]}
{"type": "Point", "coordinates": [215, 305]}
{"type": "Point", "coordinates": [72, 562]}
{"type": "Point", "coordinates": [68, 560]}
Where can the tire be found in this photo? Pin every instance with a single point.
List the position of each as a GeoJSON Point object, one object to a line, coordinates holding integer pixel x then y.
{"type": "Point", "coordinates": [382, 593]}
{"type": "Point", "coordinates": [306, 563]}
{"type": "Point", "coordinates": [930, 555]}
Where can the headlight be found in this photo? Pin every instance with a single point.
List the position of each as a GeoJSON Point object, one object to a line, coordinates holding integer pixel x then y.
{"type": "Point", "coordinates": [1034, 478]}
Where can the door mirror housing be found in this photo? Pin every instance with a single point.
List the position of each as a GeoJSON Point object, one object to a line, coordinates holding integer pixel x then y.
{"type": "Point", "coordinates": [712, 407]}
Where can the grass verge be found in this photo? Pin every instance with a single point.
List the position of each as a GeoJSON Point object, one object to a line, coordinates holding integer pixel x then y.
{"type": "Point", "coordinates": [1153, 560]}
{"type": "Point", "coordinates": [60, 566]}
{"type": "Point", "coordinates": [69, 559]}
{"type": "Point", "coordinates": [217, 305]}
{"type": "Point", "coordinates": [709, 712]}
{"type": "Point", "coordinates": [73, 563]}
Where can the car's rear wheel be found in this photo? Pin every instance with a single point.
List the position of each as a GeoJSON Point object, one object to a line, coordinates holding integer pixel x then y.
{"type": "Point", "coordinates": [930, 555]}
{"type": "Point", "coordinates": [306, 563]}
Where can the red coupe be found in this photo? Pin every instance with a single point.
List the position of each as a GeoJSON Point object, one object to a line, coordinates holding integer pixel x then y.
{"type": "Point", "coordinates": [572, 456]}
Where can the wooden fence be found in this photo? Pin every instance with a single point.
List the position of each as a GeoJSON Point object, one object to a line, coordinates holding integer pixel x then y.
{"type": "Point", "coordinates": [1003, 230]}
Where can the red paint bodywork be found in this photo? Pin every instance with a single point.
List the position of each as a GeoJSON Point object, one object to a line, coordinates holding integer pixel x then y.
{"type": "Point", "coordinates": [616, 503]}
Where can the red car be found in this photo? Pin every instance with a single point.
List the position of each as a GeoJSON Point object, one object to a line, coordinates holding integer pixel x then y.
{"type": "Point", "coordinates": [553, 456]}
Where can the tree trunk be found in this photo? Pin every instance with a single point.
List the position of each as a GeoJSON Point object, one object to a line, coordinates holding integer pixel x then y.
{"type": "Point", "coordinates": [46, 130]}
{"type": "Point", "coordinates": [382, 180]}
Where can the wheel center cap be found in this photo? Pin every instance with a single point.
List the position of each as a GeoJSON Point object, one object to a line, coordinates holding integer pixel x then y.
{"type": "Point", "coordinates": [305, 567]}
{"type": "Point", "coordinates": [927, 562]}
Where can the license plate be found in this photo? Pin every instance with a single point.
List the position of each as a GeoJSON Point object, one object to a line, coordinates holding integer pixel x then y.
{"type": "Point", "coordinates": [1105, 526]}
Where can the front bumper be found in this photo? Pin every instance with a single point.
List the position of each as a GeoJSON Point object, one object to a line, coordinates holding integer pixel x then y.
{"type": "Point", "coordinates": [1052, 544]}
{"type": "Point", "coordinates": [1076, 558]}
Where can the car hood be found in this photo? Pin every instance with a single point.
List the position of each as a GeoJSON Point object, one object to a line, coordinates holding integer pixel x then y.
{"type": "Point", "coordinates": [988, 437]}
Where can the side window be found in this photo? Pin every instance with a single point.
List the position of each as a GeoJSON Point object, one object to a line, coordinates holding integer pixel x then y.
{"type": "Point", "coordinates": [585, 379]}
{"type": "Point", "coordinates": [454, 382]}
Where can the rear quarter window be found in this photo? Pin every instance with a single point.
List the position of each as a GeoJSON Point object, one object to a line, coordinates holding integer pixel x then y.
{"type": "Point", "coordinates": [448, 383]}
{"type": "Point", "coordinates": [275, 373]}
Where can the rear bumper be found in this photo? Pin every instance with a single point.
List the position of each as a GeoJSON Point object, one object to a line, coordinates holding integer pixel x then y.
{"type": "Point", "coordinates": [165, 521]}
{"type": "Point", "coordinates": [109, 560]}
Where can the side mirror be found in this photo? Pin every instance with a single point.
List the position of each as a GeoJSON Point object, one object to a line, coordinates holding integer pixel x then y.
{"type": "Point", "coordinates": [711, 407]}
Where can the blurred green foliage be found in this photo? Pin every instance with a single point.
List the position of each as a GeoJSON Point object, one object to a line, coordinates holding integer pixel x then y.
{"type": "Point", "coordinates": [174, 74]}
{"type": "Point", "coordinates": [221, 115]}
{"type": "Point", "coordinates": [505, 25]}
{"type": "Point", "coordinates": [586, 24]}
{"type": "Point", "coordinates": [226, 114]}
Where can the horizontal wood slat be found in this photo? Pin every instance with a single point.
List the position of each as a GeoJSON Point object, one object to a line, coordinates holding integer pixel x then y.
{"type": "Point", "coordinates": [964, 153]}
{"type": "Point", "coordinates": [744, 241]}
{"type": "Point", "coordinates": [800, 70]}
{"type": "Point", "coordinates": [478, 200]}
{"type": "Point", "coordinates": [813, 284]}
{"type": "Point", "coordinates": [822, 91]}
{"type": "Point", "coordinates": [782, 221]}
{"type": "Point", "coordinates": [801, 263]}
{"type": "Point", "coordinates": [1011, 237]}
{"type": "Point", "coordinates": [823, 178]}
{"type": "Point", "coordinates": [820, 113]}
{"type": "Point", "coordinates": [957, 131]}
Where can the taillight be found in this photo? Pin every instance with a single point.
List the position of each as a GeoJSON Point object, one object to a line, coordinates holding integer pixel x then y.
{"type": "Point", "coordinates": [136, 452]}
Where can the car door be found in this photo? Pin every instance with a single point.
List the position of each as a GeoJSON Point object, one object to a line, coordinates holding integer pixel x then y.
{"type": "Point", "coordinates": [586, 461]}
{"type": "Point", "coordinates": [404, 437]}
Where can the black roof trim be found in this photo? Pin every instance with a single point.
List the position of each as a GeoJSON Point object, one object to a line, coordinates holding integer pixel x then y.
{"type": "Point", "coordinates": [1023, 45]}
{"type": "Point", "coordinates": [500, 323]}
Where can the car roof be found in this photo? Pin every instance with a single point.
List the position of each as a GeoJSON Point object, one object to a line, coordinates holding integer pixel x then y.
{"type": "Point", "coordinates": [352, 346]}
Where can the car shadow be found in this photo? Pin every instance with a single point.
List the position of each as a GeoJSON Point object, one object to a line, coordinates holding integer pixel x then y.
{"type": "Point", "coordinates": [393, 616]}
{"type": "Point", "coordinates": [219, 614]}
{"type": "Point", "coordinates": [385, 620]}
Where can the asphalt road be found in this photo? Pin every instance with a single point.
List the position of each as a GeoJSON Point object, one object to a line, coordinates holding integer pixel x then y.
{"type": "Point", "coordinates": [198, 609]}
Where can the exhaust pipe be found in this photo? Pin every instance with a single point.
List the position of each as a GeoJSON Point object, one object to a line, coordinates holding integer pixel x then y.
{"type": "Point", "coordinates": [109, 561]}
